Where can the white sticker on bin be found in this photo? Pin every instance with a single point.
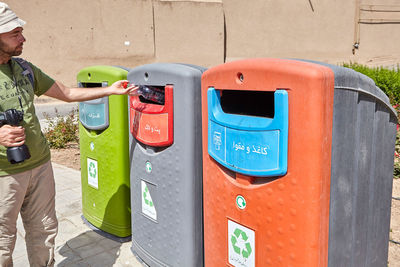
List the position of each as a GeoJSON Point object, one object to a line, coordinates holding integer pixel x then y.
{"type": "Point", "coordinates": [148, 207]}
{"type": "Point", "coordinates": [241, 243]}
{"type": "Point", "coordinates": [93, 173]}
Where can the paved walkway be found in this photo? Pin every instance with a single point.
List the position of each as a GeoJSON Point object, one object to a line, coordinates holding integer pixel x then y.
{"type": "Point", "coordinates": [76, 243]}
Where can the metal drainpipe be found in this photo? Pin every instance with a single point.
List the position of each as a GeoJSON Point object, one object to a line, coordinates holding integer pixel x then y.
{"type": "Point", "coordinates": [356, 43]}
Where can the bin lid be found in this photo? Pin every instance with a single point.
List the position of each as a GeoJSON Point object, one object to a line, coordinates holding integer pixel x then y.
{"type": "Point", "coordinates": [349, 79]}
{"type": "Point", "coordinates": [101, 73]}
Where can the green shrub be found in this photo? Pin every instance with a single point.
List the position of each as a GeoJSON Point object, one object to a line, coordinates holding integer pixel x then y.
{"type": "Point", "coordinates": [62, 130]}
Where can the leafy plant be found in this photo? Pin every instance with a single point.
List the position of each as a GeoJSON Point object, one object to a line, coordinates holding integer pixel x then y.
{"type": "Point", "coordinates": [62, 130]}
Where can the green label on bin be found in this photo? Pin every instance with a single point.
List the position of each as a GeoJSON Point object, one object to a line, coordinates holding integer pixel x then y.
{"type": "Point", "coordinates": [241, 244]}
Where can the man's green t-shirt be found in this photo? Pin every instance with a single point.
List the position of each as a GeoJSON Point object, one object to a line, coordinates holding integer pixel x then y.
{"type": "Point", "coordinates": [9, 92]}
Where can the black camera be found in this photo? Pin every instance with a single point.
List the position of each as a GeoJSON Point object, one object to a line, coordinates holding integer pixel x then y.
{"type": "Point", "coordinates": [14, 117]}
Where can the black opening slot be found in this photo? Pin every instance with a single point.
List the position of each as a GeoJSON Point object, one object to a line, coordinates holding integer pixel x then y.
{"type": "Point", "coordinates": [91, 85]}
{"type": "Point", "coordinates": [250, 103]}
{"type": "Point", "coordinates": [153, 95]}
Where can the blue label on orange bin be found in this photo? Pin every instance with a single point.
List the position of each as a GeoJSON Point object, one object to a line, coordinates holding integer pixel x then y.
{"type": "Point", "coordinates": [246, 144]}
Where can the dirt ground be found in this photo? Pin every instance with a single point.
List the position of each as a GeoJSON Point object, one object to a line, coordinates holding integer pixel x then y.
{"type": "Point", "coordinates": [70, 157]}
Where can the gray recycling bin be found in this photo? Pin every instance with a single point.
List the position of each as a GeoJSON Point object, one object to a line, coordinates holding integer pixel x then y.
{"type": "Point", "coordinates": [166, 166]}
{"type": "Point", "coordinates": [363, 143]}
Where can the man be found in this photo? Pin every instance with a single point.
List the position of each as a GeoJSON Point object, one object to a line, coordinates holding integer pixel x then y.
{"type": "Point", "coordinates": [28, 187]}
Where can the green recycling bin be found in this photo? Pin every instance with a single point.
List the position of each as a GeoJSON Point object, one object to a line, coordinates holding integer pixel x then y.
{"type": "Point", "coordinates": [104, 148]}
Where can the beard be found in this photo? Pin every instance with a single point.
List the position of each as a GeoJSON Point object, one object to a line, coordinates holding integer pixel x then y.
{"type": "Point", "coordinates": [10, 51]}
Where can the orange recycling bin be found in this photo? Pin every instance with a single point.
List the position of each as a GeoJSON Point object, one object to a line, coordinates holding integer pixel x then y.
{"type": "Point", "coordinates": [267, 126]}
{"type": "Point", "coordinates": [297, 165]}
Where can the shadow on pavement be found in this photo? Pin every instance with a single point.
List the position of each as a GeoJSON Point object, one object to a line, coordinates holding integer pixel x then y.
{"type": "Point", "coordinates": [89, 249]}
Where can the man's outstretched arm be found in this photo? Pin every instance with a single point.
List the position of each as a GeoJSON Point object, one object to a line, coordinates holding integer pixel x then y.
{"type": "Point", "coordinates": [71, 94]}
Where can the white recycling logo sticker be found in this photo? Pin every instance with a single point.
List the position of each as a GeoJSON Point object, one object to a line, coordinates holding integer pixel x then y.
{"type": "Point", "coordinates": [93, 173]}
{"type": "Point", "coordinates": [148, 207]}
{"type": "Point", "coordinates": [241, 245]}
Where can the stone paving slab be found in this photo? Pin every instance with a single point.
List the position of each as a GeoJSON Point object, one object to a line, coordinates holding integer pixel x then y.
{"type": "Point", "coordinates": [76, 244]}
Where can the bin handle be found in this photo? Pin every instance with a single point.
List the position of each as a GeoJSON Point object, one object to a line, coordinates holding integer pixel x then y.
{"type": "Point", "coordinates": [245, 122]}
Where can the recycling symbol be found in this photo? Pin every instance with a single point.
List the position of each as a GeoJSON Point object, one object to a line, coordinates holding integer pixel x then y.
{"type": "Point", "coordinates": [92, 170]}
{"type": "Point", "coordinates": [234, 239]}
{"type": "Point", "coordinates": [241, 202]}
{"type": "Point", "coordinates": [148, 167]}
{"type": "Point", "coordinates": [147, 201]}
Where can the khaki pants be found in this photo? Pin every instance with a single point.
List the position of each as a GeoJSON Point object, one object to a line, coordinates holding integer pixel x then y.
{"type": "Point", "coordinates": [33, 194]}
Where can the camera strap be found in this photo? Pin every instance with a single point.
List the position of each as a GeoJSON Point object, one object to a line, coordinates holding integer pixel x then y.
{"type": "Point", "coordinates": [16, 84]}
{"type": "Point", "coordinates": [27, 69]}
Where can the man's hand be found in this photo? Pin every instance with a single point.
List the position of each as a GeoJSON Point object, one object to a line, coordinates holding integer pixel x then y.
{"type": "Point", "coordinates": [123, 87]}
{"type": "Point", "coordinates": [11, 136]}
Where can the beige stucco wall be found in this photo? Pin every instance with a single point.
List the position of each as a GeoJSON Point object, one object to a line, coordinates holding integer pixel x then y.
{"type": "Point", "coordinates": [321, 30]}
{"type": "Point", "coordinates": [190, 32]}
{"type": "Point", "coordinates": [379, 32]}
{"type": "Point", "coordinates": [65, 36]}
